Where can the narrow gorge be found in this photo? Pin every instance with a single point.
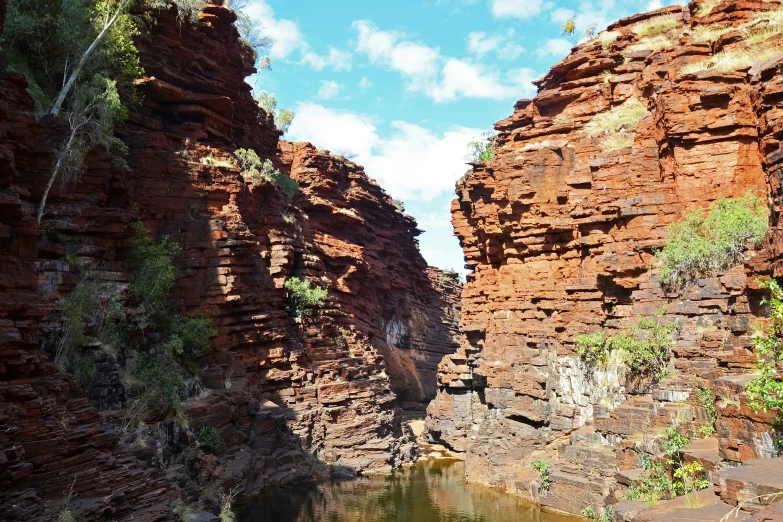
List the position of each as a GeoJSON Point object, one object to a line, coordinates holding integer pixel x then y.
{"type": "Point", "coordinates": [299, 328]}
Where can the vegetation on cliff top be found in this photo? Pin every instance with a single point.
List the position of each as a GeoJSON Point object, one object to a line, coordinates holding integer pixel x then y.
{"type": "Point", "coordinates": [253, 170]}
{"type": "Point", "coordinates": [484, 149]}
{"type": "Point", "coordinates": [700, 245]}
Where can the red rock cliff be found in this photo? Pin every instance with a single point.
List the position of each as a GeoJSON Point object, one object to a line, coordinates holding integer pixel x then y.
{"type": "Point", "coordinates": [275, 387]}
{"type": "Point", "coordinates": [561, 234]}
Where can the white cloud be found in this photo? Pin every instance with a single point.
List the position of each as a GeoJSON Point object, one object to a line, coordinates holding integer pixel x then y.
{"type": "Point", "coordinates": [479, 44]}
{"type": "Point", "coordinates": [463, 78]}
{"type": "Point", "coordinates": [364, 83]}
{"type": "Point", "coordinates": [332, 129]}
{"type": "Point", "coordinates": [336, 59]}
{"type": "Point", "coordinates": [415, 163]}
{"type": "Point", "coordinates": [523, 78]}
{"type": "Point", "coordinates": [557, 47]}
{"type": "Point", "coordinates": [427, 71]}
{"type": "Point", "coordinates": [518, 8]}
{"type": "Point", "coordinates": [289, 39]}
{"type": "Point", "coordinates": [286, 34]}
{"type": "Point", "coordinates": [329, 89]}
{"type": "Point", "coordinates": [652, 5]}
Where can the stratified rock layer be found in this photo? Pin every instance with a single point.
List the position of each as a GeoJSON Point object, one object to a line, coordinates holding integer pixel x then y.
{"type": "Point", "coordinates": [278, 389]}
{"type": "Point", "coordinates": [560, 234]}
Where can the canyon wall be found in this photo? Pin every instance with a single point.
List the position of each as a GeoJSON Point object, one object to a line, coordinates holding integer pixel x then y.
{"type": "Point", "coordinates": [561, 236]}
{"type": "Point", "coordinates": [290, 398]}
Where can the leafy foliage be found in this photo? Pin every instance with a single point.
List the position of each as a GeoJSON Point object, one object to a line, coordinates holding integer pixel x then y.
{"type": "Point", "coordinates": [302, 297]}
{"type": "Point", "coordinates": [44, 40]}
{"type": "Point", "coordinates": [593, 348]}
{"type": "Point", "coordinates": [208, 438]}
{"type": "Point", "coordinates": [283, 118]}
{"type": "Point", "coordinates": [254, 171]}
{"type": "Point", "coordinates": [700, 245]}
{"type": "Point", "coordinates": [707, 400]}
{"type": "Point", "coordinates": [161, 382]}
{"type": "Point", "coordinates": [152, 267]}
{"type": "Point", "coordinates": [658, 484]}
{"type": "Point", "coordinates": [542, 468]}
{"type": "Point", "coordinates": [484, 150]}
{"type": "Point", "coordinates": [606, 516]}
{"type": "Point", "coordinates": [765, 391]}
{"type": "Point", "coordinates": [92, 310]}
{"type": "Point", "coordinates": [643, 346]}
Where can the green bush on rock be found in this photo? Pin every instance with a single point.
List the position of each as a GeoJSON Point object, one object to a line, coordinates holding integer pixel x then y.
{"type": "Point", "coordinates": [302, 297]}
{"type": "Point", "coordinates": [255, 171]}
{"type": "Point", "coordinates": [765, 391]}
{"type": "Point", "coordinates": [699, 245]}
{"type": "Point", "coordinates": [644, 346]}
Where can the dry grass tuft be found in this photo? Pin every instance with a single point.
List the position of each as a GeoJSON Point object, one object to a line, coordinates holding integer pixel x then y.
{"type": "Point", "coordinates": [705, 33]}
{"type": "Point", "coordinates": [655, 26]}
{"type": "Point", "coordinates": [656, 43]}
{"type": "Point", "coordinates": [706, 7]}
{"type": "Point", "coordinates": [615, 126]}
{"type": "Point", "coordinates": [607, 38]}
{"type": "Point", "coordinates": [733, 60]}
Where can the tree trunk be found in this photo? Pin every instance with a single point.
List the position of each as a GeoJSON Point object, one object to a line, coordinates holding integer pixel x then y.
{"type": "Point", "coordinates": [69, 84]}
{"type": "Point", "coordinates": [57, 167]}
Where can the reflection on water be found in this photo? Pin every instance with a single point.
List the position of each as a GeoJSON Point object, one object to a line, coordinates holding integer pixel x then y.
{"type": "Point", "coordinates": [430, 491]}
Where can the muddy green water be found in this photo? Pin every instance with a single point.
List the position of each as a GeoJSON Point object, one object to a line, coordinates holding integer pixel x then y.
{"type": "Point", "coordinates": [430, 491]}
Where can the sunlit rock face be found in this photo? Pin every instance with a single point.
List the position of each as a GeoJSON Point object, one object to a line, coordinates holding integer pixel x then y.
{"type": "Point", "coordinates": [278, 389]}
{"type": "Point", "coordinates": [560, 230]}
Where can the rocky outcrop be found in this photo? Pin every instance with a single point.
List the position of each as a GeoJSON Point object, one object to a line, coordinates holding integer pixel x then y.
{"type": "Point", "coordinates": [287, 395]}
{"type": "Point", "coordinates": [410, 314]}
{"type": "Point", "coordinates": [560, 232]}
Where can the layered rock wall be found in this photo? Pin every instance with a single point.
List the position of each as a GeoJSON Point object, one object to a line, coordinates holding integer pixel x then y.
{"type": "Point", "coordinates": [278, 389]}
{"type": "Point", "coordinates": [561, 235]}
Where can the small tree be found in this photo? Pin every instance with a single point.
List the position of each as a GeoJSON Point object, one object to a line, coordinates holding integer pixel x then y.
{"type": "Point", "coordinates": [111, 15]}
{"type": "Point", "coordinates": [484, 150]}
{"type": "Point", "coordinates": [569, 29]}
{"type": "Point", "coordinates": [283, 118]}
{"type": "Point", "coordinates": [96, 109]}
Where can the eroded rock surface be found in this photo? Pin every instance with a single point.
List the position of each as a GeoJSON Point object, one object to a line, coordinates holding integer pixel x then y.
{"type": "Point", "coordinates": [560, 232]}
{"type": "Point", "coordinates": [287, 395]}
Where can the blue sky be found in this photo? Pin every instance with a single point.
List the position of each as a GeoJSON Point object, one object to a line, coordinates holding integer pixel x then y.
{"type": "Point", "coordinates": [405, 85]}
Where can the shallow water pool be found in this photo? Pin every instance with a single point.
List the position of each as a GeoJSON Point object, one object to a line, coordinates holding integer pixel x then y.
{"type": "Point", "coordinates": [429, 491]}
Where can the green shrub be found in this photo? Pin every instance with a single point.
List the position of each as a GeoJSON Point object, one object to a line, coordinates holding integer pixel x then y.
{"type": "Point", "coordinates": [593, 348]}
{"type": "Point", "coordinates": [700, 245]}
{"type": "Point", "coordinates": [765, 391]}
{"type": "Point", "coordinates": [92, 310]}
{"type": "Point", "coordinates": [254, 171]}
{"type": "Point", "coordinates": [707, 400]}
{"type": "Point", "coordinates": [644, 346]}
{"type": "Point", "coordinates": [302, 297]}
{"type": "Point", "coordinates": [161, 382]}
{"type": "Point", "coordinates": [542, 468]}
{"type": "Point", "coordinates": [484, 150]}
{"type": "Point", "coordinates": [152, 269]}
{"type": "Point", "coordinates": [188, 338]}
{"type": "Point", "coordinates": [283, 118]}
{"type": "Point", "coordinates": [657, 484]}
{"type": "Point", "coordinates": [208, 439]}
